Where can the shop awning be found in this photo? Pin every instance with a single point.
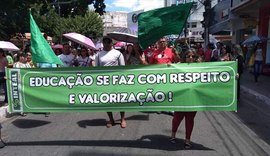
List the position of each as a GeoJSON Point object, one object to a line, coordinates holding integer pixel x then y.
{"type": "Point", "coordinates": [221, 28]}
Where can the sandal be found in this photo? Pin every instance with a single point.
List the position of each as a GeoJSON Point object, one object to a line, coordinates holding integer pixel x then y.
{"type": "Point", "coordinates": [2, 144]}
{"type": "Point", "coordinates": [173, 140]}
{"type": "Point", "coordinates": [187, 145]}
{"type": "Point", "coordinates": [109, 124]}
{"type": "Point", "coordinates": [123, 124]}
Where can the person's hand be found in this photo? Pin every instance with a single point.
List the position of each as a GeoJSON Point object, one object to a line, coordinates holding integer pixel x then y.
{"type": "Point", "coordinates": [237, 76]}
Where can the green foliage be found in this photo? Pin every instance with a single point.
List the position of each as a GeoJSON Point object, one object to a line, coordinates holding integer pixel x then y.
{"type": "Point", "coordinates": [55, 26]}
{"type": "Point", "coordinates": [88, 24]}
{"type": "Point", "coordinates": [14, 18]}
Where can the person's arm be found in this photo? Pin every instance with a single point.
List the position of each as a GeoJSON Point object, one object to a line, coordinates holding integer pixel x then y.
{"type": "Point", "coordinates": [97, 60]}
{"type": "Point", "coordinates": [143, 59]}
{"type": "Point", "coordinates": [152, 59]}
{"type": "Point", "coordinates": [121, 60]}
{"type": "Point", "coordinates": [176, 57]}
{"type": "Point", "coordinates": [15, 65]}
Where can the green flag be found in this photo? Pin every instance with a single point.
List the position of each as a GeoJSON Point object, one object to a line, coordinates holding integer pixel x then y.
{"type": "Point", "coordinates": [41, 50]}
{"type": "Point", "coordinates": [154, 24]}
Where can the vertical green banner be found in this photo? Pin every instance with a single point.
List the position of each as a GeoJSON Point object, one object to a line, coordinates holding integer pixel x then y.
{"type": "Point", "coordinates": [179, 87]}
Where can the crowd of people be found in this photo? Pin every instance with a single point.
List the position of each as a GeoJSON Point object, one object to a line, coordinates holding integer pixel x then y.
{"type": "Point", "coordinates": [158, 53]}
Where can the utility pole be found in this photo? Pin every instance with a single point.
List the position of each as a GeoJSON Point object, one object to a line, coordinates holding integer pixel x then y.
{"type": "Point", "coordinates": [206, 15]}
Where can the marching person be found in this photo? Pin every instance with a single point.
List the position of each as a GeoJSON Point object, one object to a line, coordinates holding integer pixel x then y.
{"type": "Point", "coordinates": [84, 59]}
{"type": "Point", "coordinates": [110, 57]}
{"type": "Point", "coordinates": [190, 57]}
{"type": "Point", "coordinates": [163, 55]}
{"type": "Point", "coordinates": [66, 57]}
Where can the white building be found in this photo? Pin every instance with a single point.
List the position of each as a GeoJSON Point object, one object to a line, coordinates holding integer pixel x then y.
{"type": "Point", "coordinates": [114, 20]}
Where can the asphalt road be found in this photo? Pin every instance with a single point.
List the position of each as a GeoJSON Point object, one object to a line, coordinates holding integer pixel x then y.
{"type": "Point", "coordinates": [245, 133]}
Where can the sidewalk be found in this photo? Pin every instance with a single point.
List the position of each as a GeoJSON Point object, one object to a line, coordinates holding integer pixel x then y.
{"type": "Point", "coordinates": [260, 90]}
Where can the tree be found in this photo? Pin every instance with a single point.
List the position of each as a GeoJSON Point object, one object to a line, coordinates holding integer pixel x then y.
{"type": "Point", "coordinates": [88, 25]}
{"type": "Point", "coordinates": [14, 16]}
{"type": "Point", "coordinates": [45, 12]}
{"type": "Point", "coordinates": [100, 7]}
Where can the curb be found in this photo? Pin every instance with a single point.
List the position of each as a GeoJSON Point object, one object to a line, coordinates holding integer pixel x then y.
{"type": "Point", "coordinates": [257, 95]}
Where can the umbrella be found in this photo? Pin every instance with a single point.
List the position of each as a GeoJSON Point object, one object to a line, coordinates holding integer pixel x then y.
{"type": "Point", "coordinates": [8, 46]}
{"type": "Point", "coordinates": [81, 39]}
{"type": "Point", "coordinates": [119, 44]}
{"type": "Point", "coordinates": [57, 46]}
{"type": "Point", "coordinates": [124, 34]}
{"type": "Point", "coordinates": [255, 39]}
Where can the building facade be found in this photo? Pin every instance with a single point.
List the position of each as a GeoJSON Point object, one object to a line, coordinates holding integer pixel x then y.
{"type": "Point", "coordinates": [251, 17]}
{"type": "Point", "coordinates": [114, 20]}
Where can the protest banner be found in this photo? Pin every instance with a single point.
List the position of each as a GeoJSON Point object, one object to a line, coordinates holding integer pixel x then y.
{"type": "Point", "coordinates": [178, 87]}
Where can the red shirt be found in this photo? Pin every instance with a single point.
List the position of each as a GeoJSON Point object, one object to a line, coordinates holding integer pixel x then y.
{"type": "Point", "coordinates": [148, 53]}
{"type": "Point", "coordinates": [207, 55]}
{"type": "Point", "coordinates": [162, 57]}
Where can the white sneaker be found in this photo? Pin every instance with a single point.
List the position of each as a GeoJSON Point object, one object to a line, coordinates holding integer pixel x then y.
{"type": "Point", "coordinates": [2, 144]}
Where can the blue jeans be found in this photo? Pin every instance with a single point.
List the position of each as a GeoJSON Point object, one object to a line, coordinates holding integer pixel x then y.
{"type": "Point", "coordinates": [257, 69]}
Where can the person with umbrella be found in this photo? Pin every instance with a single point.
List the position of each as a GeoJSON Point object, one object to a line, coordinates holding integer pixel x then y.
{"type": "Point", "coordinates": [110, 57]}
{"type": "Point", "coordinates": [258, 61]}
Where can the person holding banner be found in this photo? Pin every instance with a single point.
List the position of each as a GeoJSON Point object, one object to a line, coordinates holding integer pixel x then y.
{"type": "Point", "coordinates": [110, 57]}
{"type": "Point", "coordinates": [163, 54]}
{"type": "Point", "coordinates": [190, 57]}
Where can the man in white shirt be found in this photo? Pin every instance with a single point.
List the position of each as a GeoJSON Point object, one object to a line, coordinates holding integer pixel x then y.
{"type": "Point", "coordinates": [110, 57]}
{"type": "Point", "coordinates": [66, 57]}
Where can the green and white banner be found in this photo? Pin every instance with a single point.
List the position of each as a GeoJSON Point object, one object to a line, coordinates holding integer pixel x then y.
{"type": "Point", "coordinates": [178, 87]}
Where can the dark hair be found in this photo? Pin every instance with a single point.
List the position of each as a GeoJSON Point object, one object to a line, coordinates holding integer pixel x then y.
{"type": "Point", "coordinates": [133, 51]}
{"type": "Point", "coordinates": [191, 50]}
{"type": "Point", "coordinates": [84, 48]}
{"type": "Point", "coordinates": [20, 55]}
{"type": "Point", "coordinates": [66, 44]}
{"type": "Point", "coordinates": [107, 39]}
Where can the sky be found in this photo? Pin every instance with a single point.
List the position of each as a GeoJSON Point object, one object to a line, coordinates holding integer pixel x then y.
{"type": "Point", "coordinates": [132, 5]}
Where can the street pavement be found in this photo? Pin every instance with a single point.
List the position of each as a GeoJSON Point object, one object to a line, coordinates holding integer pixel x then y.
{"type": "Point", "coordinates": [243, 133]}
